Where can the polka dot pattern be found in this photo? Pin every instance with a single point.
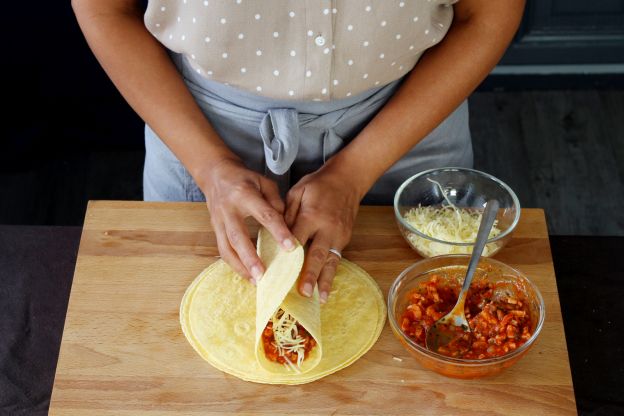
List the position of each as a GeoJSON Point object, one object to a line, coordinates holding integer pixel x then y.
{"type": "Point", "coordinates": [300, 50]}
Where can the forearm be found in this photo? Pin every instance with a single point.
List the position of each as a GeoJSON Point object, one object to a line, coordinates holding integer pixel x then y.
{"type": "Point", "coordinates": [141, 69]}
{"type": "Point", "coordinates": [443, 78]}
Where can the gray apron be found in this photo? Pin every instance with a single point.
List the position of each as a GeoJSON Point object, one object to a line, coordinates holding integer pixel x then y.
{"type": "Point", "coordinates": [287, 139]}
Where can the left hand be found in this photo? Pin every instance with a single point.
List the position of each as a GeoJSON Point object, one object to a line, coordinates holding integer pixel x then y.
{"type": "Point", "coordinates": [322, 208]}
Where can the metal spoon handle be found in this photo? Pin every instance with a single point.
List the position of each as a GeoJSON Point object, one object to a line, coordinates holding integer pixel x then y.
{"type": "Point", "coordinates": [487, 221]}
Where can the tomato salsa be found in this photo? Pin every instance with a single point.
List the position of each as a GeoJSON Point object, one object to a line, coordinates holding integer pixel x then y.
{"type": "Point", "coordinates": [285, 355]}
{"type": "Point", "coordinates": [500, 321]}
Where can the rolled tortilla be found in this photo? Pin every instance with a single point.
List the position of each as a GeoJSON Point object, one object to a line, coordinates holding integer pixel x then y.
{"type": "Point", "coordinates": [278, 289]}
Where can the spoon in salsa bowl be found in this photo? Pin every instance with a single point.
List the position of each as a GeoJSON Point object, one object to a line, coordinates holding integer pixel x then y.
{"type": "Point", "coordinates": [453, 327]}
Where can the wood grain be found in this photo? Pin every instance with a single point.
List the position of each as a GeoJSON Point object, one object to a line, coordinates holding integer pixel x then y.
{"type": "Point", "coordinates": [123, 352]}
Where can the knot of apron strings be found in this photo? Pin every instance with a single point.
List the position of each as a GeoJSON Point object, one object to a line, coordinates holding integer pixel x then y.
{"type": "Point", "coordinates": [280, 132]}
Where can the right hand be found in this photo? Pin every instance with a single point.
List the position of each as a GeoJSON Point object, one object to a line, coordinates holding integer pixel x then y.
{"type": "Point", "coordinates": [234, 193]}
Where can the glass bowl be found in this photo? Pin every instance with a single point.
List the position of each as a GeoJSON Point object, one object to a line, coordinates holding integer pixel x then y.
{"type": "Point", "coordinates": [465, 188]}
{"type": "Point", "coordinates": [488, 269]}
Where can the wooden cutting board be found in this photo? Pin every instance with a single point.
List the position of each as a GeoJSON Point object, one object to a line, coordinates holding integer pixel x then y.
{"type": "Point", "coordinates": [123, 352]}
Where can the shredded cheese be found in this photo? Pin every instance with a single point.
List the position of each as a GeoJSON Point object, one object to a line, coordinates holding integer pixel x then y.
{"type": "Point", "coordinates": [447, 223]}
{"type": "Point", "coordinates": [287, 338]}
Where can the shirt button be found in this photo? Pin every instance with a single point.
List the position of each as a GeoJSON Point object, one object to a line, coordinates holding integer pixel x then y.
{"type": "Point", "coordinates": [319, 40]}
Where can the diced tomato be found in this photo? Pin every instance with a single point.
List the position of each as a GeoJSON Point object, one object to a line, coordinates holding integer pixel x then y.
{"type": "Point", "coordinates": [498, 326]}
{"type": "Point", "coordinates": [271, 351]}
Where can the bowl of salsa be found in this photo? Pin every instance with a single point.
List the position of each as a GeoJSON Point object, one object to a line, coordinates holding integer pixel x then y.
{"type": "Point", "coordinates": [504, 309]}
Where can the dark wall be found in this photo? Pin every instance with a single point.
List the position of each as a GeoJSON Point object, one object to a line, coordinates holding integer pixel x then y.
{"type": "Point", "coordinates": [67, 135]}
{"type": "Point", "coordinates": [59, 98]}
{"type": "Point", "coordinates": [569, 32]}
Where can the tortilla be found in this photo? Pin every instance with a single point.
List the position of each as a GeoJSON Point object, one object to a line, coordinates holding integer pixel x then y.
{"type": "Point", "coordinates": [219, 311]}
{"type": "Point", "coordinates": [278, 289]}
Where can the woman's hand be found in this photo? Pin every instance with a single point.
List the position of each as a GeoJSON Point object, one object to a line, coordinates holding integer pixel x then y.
{"type": "Point", "coordinates": [234, 193]}
{"type": "Point", "coordinates": [322, 208]}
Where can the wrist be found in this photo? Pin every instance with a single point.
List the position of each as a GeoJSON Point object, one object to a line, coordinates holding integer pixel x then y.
{"type": "Point", "coordinates": [350, 172]}
{"type": "Point", "coordinates": [204, 173]}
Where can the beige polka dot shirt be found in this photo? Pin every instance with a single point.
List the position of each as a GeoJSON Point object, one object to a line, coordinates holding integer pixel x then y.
{"type": "Point", "coordinates": [300, 49]}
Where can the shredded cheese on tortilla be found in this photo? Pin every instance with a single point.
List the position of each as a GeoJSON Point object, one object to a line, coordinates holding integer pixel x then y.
{"type": "Point", "coordinates": [447, 223]}
{"type": "Point", "coordinates": [287, 338]}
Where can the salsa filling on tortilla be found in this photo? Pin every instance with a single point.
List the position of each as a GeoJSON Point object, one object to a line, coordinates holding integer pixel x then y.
{"type": "Point", "coordinates": [286, 341]}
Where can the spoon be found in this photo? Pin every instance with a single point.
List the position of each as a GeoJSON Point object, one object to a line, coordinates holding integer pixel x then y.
{"type": "Point", "coordinates": [454, 325]}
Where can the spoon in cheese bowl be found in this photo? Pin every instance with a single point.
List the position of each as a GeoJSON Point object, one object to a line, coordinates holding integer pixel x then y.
{"type": "Point", "coordinates": [453, 327]}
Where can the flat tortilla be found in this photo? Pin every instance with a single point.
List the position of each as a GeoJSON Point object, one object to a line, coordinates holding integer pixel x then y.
{"type": "Point", "coordinates": [218, 315]}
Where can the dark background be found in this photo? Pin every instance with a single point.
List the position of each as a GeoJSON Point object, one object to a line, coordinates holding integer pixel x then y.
{"type": "Point", "coordinates": [549, 122]}
{"type": "Point", "coordinates": [68, 135]}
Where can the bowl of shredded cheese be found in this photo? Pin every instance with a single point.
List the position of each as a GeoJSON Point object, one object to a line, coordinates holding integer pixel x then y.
{"type": "Point", "coordinates": [438, 211]}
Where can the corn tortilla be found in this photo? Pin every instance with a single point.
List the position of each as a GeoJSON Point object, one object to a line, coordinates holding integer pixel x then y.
{"type": "Point", "coordinates": [278, 289]}
{"type": "Point", "coordinates": [219, 314]}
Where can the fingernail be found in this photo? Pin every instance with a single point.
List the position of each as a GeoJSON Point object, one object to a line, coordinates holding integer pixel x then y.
{"type": "Point", "coordinates": [307, 289]}
{"type": "Point", "coordinates": [256, 272]}
{"type": "Point", "coordinates": [323, 297]}
{"type": "Point", "coordinates": [288, 244]}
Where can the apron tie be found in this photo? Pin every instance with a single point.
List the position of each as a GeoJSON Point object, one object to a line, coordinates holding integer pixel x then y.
{"type": "Point", "coordinates": [279, 130]}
